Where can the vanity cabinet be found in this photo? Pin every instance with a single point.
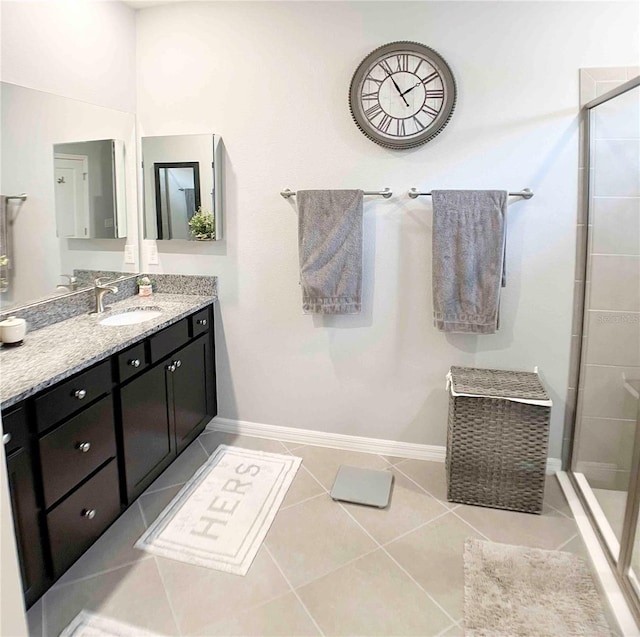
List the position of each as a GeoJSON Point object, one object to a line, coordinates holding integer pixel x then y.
{"type": "Point", "coordinates": [168, 405]}
{"type": "Point", "coordinates": [81, 451]}
{"type": "Point", "coordinates": [26, 515]}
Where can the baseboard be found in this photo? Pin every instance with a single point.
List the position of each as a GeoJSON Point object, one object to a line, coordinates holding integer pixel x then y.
{"type": "Point", "coordinates": [412, 450]}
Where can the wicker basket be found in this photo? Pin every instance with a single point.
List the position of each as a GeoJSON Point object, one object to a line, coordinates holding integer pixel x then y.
{"type": "Point", "coordinates": [496, 447]}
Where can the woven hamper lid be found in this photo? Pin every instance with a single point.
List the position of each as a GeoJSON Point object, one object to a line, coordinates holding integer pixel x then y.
{"type": "Point", "coordinates": [497, 382]}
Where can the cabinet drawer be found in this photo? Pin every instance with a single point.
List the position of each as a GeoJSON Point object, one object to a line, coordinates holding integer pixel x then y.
{"type": "Point", "coordinates": [168, 340]}
{"type": "Point", "coordinates": [14, 430]}
{"type": "Point", "coordinates": [78, 521]}
{"type": "Point", "coordinates": [200, 322]}
{"type": "Point", "coordinates": [131, 361]}
{"type": "Point", "coordinates": [72, 395]}
{"type": "Point", "coordinates": [73, 450]}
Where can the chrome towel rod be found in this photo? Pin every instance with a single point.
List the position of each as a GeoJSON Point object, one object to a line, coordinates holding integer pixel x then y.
{"type": "Point", "coordinates": [386, 193]}
{"type": "Point", "coordinates": [22, 197]}
{"type": "Point", "coordinates": [525, 193]}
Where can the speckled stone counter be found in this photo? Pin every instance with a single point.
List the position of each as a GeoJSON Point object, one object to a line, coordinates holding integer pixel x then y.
{"type": "Point", "coordinates": [58, 351]}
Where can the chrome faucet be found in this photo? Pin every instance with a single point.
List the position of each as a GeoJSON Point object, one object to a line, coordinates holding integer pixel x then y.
{"type": "Point", "coordinates": [101, 290]}
{"type": "Point", "coordinates": [72, 284]}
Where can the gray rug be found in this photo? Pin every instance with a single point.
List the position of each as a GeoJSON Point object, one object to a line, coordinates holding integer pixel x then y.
{"type": "Point", "coordinates": [525, 592]}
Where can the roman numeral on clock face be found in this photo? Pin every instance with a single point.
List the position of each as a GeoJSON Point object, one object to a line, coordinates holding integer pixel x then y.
{"type": "Point", "coordinates": [430, 78]}
{"type": "Point", "coordinates": [384, 123]}
{"type": "Point", "coordinates": [402, 62]}
{"type": "Point", "coordinates": [429, 111]}
{"type": "Point", "coordinates": [373, 111]}
{"type": "Point", "coordinates": [400, 129]}
{"type": "Point", "coordinates": [436, 94]}
{"type": "Point", "coordinates": [369, 97]}
{"type": "Point", "coordinates": [384, 64]}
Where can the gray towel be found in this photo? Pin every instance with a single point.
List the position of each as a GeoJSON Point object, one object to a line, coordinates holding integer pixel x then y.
{"type": "Point", "coordinates": [6, 264]}
{"type": "Point", "coordinates": [330, 250]}
{"type": "Point", "coordinates": [469, 232]}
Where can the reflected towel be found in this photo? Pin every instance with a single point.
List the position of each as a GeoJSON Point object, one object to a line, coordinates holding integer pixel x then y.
{"type": "Point", "coordinates": [6, 265]}
{"type": "Point", "coordinates": [469, 233]}
{"type": "Point", "coordinates": [330, 250]}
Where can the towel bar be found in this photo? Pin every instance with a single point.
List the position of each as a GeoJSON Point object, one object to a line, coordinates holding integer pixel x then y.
{"type": "Point", "coordinates": [386, 193]}
{"type": "Point", "coordinates": [22, 197]}
{"type": "Point", "coordinates": [525, 193]}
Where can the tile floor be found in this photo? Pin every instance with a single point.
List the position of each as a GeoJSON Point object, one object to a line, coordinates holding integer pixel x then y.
{"type": "Point", "coordinates": [324, 569]}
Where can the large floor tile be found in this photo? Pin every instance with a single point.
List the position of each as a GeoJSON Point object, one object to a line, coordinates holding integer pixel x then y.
{"type": "Point", "coordinates": [153, 504]}
{"type": "Point", "coordinates": [372, 596]}
{"type": "Point", "coordinates": [408, 508]}
{"type": "Point", "coordinates": [312, 538]}
{"type": "Point", "coordinates": [303, 487]}
{"type": "Point", "coordinates": [324, 463]}
{"type": "Point", "coordinates": [282, 617]}
{"type": "Point", "coordinates": [182, 468]}
{"type": "Point", "coordinates": [113, 549]}
{"type": "Point", "coordinates": [554, 496]}
{"type": "Point", "coordinates": [132, 594]}
{"type": "Point", "coordinates": [201, 596]}
{"type": "Point", "coordinates": [546, 531]}
{"type": "Point", "coordinates": [35, 620]}
{"type": "Point", "coordinates": [430, 476]}
{"type": "Point", "coordinates": [211, 440]}
{"type": "Point", "coordinates": [432, 555]}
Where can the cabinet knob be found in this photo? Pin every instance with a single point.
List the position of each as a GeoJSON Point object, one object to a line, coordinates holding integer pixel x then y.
{"type": "Point", "coordinates": [177, 363]}
{"type": "Point", "coordinates": [171, 368]}
{"type": "Point", "coordinates": [88, 513]}
{"type": "Point", "coordinates": [134, 362]}
{"type": "Point", "coordinates": [83, 446]}
{"type": "Point", "coordinates": [80, 394]}
{"type": "Point", "coordinates": [201, 321]}
{"type": "Point", "coordinates": [6, 438]}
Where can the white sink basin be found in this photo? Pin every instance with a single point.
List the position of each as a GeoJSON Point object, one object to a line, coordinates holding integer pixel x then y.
{"type": "Point", "coordinates": [131, 318]}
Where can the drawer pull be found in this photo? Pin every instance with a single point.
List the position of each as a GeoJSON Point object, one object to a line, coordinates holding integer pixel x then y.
{"type": "Point", "coordinates": [177, 364]}
{"type": "Point", "coordinates": [80, 393]}
{"type": "Point", "coordinates": [201, 321]}
{"type": "Point", "coordinates": [83, 446]}
{"type": "Point", "coordinates": [89, 513]}
{"type": "Point", "coordinates": [135, 362]}
{"type": "Point", "coordinates": [6, 438]}
{"type": "Point", "coordinates": [171, 368]}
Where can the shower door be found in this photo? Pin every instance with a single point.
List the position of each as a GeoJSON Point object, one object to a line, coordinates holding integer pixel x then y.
{"type": "Point", "coordinates": [606, 444]}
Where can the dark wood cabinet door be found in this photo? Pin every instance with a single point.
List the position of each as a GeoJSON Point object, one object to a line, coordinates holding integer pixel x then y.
{"type": "Point", "coordinates": [149, 444]}
{"type": "Point", "coordinates": [189, 382]}
{"type": "Point", "coordinates": [26, 524]}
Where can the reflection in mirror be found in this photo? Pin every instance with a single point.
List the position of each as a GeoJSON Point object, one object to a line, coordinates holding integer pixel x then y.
{"type": "Point", "coordinates": [89, 185]}
{"type": "Point", "coordinates": [181, 174]}
{"type": "Point", "coordinates": [42, 264]}
{"type": "Point", "coordinates": [177, 198]}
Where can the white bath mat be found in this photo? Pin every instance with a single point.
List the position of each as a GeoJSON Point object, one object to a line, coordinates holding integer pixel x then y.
{"type": "Point", "coordinates": [88, 624]}
{"type": "Point", "coordinates": [221, 516]}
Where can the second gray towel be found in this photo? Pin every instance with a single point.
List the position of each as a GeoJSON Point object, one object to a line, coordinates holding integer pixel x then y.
{"type": "Point", "coordinates": [468, 259]}
{"type": "Point", "coordinates": [330, 250]}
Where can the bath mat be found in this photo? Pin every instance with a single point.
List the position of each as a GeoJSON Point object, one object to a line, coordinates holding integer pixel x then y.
{"type": "Point", "coordinates": [525, 592]}
{"type": "Point", "coordinates": [220, 517]}
{"type": "Point", "coordinates": [88, 624]}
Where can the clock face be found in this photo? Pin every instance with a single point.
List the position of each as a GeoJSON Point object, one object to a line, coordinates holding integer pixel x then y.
{"type": "Point", "coordinates": [402, 95]}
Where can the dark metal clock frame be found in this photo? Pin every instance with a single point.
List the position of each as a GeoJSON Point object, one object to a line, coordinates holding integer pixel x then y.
{"type": "Point", "coordinates": [396, 62]}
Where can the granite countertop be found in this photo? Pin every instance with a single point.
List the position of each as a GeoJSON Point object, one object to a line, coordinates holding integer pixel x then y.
{"type": "Point", "coordinates": [58, 351]}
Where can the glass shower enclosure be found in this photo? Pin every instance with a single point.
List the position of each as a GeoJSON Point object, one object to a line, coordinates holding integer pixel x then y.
{"type": "Point", "coordinates": [605, 456]}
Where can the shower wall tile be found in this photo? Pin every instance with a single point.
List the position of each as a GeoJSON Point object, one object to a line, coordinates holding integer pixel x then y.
{"type": "Point", "coordinates": [607, 441]}
{"type": "Point", "coordinates": [614, 283]}
{"type": "Point", "coordinates": [604, 395]}
{"type": "Point", "coordinates": [616, 225]}
{"type": "Point", "coordinates": [617, 164]}
{"type": "Point", "coordinates": [618, 118]}
{"type": "Point", "coordinates": [608, 74]}
{"type": "Point", "coordinates": [614, 339]}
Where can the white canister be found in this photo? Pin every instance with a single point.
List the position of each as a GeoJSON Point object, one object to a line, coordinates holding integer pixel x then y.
{"type": "Point", "coordinates": [13, 330]}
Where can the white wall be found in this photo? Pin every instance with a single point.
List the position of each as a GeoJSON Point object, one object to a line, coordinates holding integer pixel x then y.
{"type": "Point", "coordinates": [83, 49]}
{"type": "Point", "coordinates": [272, 79]}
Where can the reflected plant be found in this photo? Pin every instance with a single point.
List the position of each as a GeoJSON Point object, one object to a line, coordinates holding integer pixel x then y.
{"type": "Point", "coordinates": [202, 225]}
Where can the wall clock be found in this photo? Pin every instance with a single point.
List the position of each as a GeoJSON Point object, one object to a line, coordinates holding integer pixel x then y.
{"type": "Point", "coordinates": [402, 95]}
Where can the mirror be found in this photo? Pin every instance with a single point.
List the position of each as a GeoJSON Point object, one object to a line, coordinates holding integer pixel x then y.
{"type": "Point", "coordinates": [89, 189]}
{"type": "Point", "coordinates": [34, 126]}
{"type": "Point", "coordinates": [181, 175]}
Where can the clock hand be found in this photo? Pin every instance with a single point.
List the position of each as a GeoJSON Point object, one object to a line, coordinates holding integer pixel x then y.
{"type": "Point", "coordinates": [410, 89]}
{"type": "Point", "coordinates": [400, 93]}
